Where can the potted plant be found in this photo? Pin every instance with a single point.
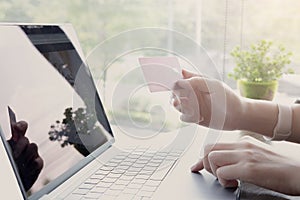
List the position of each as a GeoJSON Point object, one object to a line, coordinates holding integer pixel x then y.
{"type": "Point", "coordinates": [258, 69]}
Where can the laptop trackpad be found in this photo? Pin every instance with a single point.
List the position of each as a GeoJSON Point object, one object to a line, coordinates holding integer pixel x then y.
{"type": "Point", "coordinates": [187, 185]}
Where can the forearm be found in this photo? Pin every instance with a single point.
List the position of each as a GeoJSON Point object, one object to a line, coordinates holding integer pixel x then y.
{"type": "Point", "coordinates": [261, 117]}
{"type": "Point", "coordinates": [258, 116]}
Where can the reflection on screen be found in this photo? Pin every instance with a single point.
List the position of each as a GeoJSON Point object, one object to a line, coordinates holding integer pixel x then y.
{"type": "Point", "coordinates": [54, 94]}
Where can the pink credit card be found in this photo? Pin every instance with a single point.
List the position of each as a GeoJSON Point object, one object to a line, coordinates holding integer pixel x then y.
{"type": "Point", "coordinates": [160, 73]}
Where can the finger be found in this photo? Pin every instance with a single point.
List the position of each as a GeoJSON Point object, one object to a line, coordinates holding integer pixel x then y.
{"type": "Point", "coordinates": [186, 107]}
{"type": "Point", "coordinates": [35, 166]}
{"type": "Point", "coordinates": [222, 146]}
{"type": "Point", "coordinates": [18, 130]}
{"type": "Point", "coordinates": [188, 118]}
{"type": "Point", "coordinates": [183, 84]}
{"type": "Point", "coordinates": [20, 146]}
{"type": "Point", "coordinates": [189, 111]}
{"type": "Point", "coordinates": [221, 158]}
{"type": "Point", "coordinates": [198, 166]}
{"type": "Point", "coordinates": [31, 172]}
{"type": "Point", "coordinates": [229, 173]}
{"type": "Point", "coordinates": [228, 183]}
{"type": "Point", "coordinates": [215, 147]}
{"type": "Point", "coordinates": [31, 153]}
{"type": "Point", "coordinates": [176, 102]}
{"type": "Point", "coordinates": [39, 163]}
{"type": "Point", "coordinates": [225, 157]}
{"type": "Point", "coordinates": [188, 74]}
{"type": "Point", "coordinates": [190, 106]}
{"type": "Point", "coordinates": [21, 127]}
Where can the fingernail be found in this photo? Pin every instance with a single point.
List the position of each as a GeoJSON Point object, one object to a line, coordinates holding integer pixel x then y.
{"type": "Point", "coordinates": [178, 107]}
{"type": "Point", "coordinates": [193, 168]}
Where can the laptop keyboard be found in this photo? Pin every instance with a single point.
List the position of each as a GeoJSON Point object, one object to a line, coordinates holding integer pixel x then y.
{"type": "Point", "coordinates": [132, 174]}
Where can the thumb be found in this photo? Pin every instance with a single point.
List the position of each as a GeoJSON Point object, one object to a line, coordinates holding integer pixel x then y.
{"type": "Point", "coordinates": [182, 84]}
{"type": "Point", "coordinates": [19, 129]}
{"type": "Point", "coordinates": [198, 166]}
{"type": "Point", "coordinates": [188, 74]}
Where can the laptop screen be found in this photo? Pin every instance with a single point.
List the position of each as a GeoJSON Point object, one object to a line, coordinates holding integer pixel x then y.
{"type": "Point", "coordinates": [47, 86]}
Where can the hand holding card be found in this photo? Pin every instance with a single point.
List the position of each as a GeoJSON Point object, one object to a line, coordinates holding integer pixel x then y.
{"type": "Point", "coordinates": [161, 73]}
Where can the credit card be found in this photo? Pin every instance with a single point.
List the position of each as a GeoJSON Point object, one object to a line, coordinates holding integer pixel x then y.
{"type": "Point", "coordinates": [160, 73]}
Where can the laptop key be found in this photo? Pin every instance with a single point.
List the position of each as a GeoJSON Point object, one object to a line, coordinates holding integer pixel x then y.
{"type": "Point", "coordinates": [100, 190]}
{"type": "Point", "coordinates": [125, 196]}
{"type": "Point", "coordinates": [122, 167]}
{"type": "Point", "coordinates": [81, 191]}
{"type": "Point", "coordinates": [162, 153]}
{"type": "Point", "coordinates": [159, 157]}
{"type": "Point", "coordinates": [97, 176]}
{"type": "Point", "coordinates": [156, 160]}
{"type": "Point", "coordinates": [148, 168]}
{"type": "Point", "coordinates": [118, 171]}
{"type": "Point", "coordinates": [133, 156]}
{"type": "Point", "coordinates": [86, 186]}
{"type": "Point", "coordinates": [117, 187]}
{"type": "Point", "coordinates": [108, 180]}
{"type": "Point", "coordinates": [142, 161]}
{"type": "Point", "coordinates": [138, 165]}
{"type": "Point", "coordinates": [73, 197]}
{"type": "Point", "coordinates": [134, 169]}
{"type": "Point", "coordinates": [139, 181]}
{"type": "Point", "coordinates": [93, 195]}
{"type": "Point", "coordinates": [104, 184]}
{"type": "Point", "coordinates": [134, 186]}
{"type": "Point", "coordinates": [108, 197]}
{"type": "Point", "coordinates": [113, 175]}
{"type": "Point", "coordinates": [130, 191]}
{"type": "Point", "coordinates": [112, 192]}
{"type": "Point", "coordinates": [147, 173]}
{"type": "Point", "coordinates": [126, 178]}
{"type": "Point", "coordinates": [92, 181]}
{"type": "Point", "coordinates": [152, 183]}
{"type": "Point", "coordinates": [145, 194]}
{"type": "Point", "coordinates": [107, 168]}
{"type": "Point", "coordinates": [148, 188]}
{"type": "Point", "coordinates": [169, 157]}
{"type": "Point", "coordinates": [130, 173]}
{"type": "Point", "coordinates": [102, 172]}
{"type": "Point", "coordinates": [112, 164]}
{"type": "Point", "coordinates": [122, 182]}
{"type": "Point", "coordinates": [143, 176]}
{"type": "Point", "coordinates": [131, 160]}
{"type": "Point", "coordinates": [151, 164]}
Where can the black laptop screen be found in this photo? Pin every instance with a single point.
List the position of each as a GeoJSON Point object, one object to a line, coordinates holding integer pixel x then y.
{"type": "Point", "coordinates": [46, 84]}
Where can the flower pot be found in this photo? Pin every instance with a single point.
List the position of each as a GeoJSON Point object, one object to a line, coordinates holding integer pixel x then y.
{"type": "Point", "coordinates": [258, 90]}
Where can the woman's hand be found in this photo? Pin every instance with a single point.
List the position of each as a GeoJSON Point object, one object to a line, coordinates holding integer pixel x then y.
{"type": "Point", "coordinates": [207, 102]}
{"type": "Point", "coordinates": [252, 162]}
{"type": "Point", "coordinates": [25, 154]}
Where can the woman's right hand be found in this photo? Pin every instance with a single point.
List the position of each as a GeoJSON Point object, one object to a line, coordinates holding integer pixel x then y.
{"type": "Point", "coordinates": [207, 102]}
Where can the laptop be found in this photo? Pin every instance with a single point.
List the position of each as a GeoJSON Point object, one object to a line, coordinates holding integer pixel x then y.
{"type": "Point", "coordinates": [48, 85]}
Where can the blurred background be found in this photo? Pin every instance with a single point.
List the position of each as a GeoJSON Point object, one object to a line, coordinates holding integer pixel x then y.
{"type": "Point", "coordinates": [216, 25]}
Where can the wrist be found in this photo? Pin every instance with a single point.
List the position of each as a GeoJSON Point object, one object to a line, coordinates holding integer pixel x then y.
{"type": "Point", "coordinates": [258, 116]}
{"type": "Point", "coordinates": [243, 115]}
